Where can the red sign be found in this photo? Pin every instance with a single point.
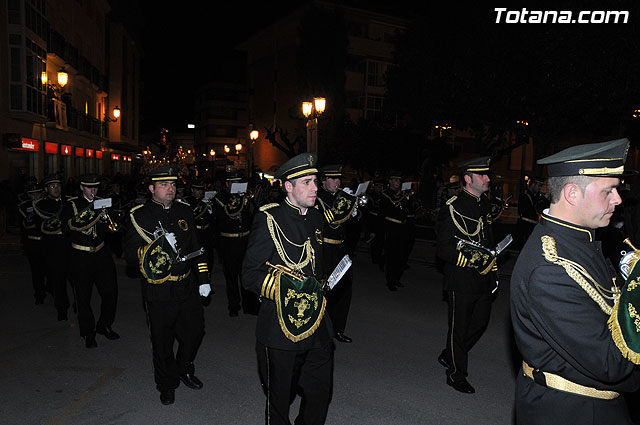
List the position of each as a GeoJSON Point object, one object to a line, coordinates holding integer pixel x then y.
{"type": "Point", "coordinates": [89, 153]}
{"type": "Point", "coordinates": [79, 151]}
{"type": "Point", "coordinates": [99, 154]}
{"type": "Point", "coordinates": [51, 147]}
{"type": "Point", "coordinates": [27, 144]}
{"type": "Point", "coordinates": [66, 150]}
{"type": "Point", "coordinates": [129, 158]}
{"type": "Point", "coordinates": [115, 157]}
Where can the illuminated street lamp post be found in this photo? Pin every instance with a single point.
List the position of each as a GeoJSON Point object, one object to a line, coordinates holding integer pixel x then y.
{"type": "Point", "coordinates": [311, 111]}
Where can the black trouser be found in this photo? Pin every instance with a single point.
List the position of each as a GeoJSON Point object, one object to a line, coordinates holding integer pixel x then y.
{"type": "Point", "coordinates": [85, 270]}
{"type": "Point", "coordinates": [339, 298]}
{"type": "Point", "coordinates": [468, 318]}
{"type": "Point", "coordinates": [285, 373]}
{"type": "Point", "coordinates": [171, 320]}
{"type": "Point", "coordinates": [35, 252]}
{"type": "Point", "coordinates": [377, 249]}
{"type": "Point", "coordinates": [56, 262]}
{"type": "Point", "coordinates": [233, 250]}
{"type": "Point", "coordinates": [397, 245]}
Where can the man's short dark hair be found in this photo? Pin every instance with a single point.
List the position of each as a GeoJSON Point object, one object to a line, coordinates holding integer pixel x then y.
{"type": "Point", "coordinates": [465, 173]}
{"type": "Point", "coordinates": [555, 185]}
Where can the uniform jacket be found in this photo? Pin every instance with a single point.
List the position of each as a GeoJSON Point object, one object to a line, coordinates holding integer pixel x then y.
{"type": "Point", "coordinates": [233, 213]}
{"type": "Point", "coordinates": [558, 328]}
{"type": "Point", "coordinates": [92, 236]}
{"type": "Point", "coordinates": [297, 228]}
{"type": "Point", "coordinates": [177, 219]}
{"type": "Point", "coordinates": [336, 214]}
{"type": "Point", "coordinates": [472, 222]}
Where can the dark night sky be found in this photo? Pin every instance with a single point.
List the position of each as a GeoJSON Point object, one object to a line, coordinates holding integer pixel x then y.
{"type": "Point", "coordinates": [180, 46]}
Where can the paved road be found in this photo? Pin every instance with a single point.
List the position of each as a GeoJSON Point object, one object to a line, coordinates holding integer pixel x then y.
{"type": "Point", "coordinates": [388, 375]}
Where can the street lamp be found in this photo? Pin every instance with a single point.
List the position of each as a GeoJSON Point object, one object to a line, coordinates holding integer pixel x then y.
{"type": "Point", "coordinates": [116, 115]}
{"type": "Point", "coordinates": [311, 111]}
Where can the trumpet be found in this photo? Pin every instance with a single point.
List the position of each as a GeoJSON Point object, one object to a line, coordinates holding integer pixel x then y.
{"type": "Point", "coordinates": [363, 200]}
{"type": "Point", "coordinates": [113, 226]}
{"type": "Point", "coordinates": [628, 260]}
{"type": "Point", "coordinates": [295, 274]}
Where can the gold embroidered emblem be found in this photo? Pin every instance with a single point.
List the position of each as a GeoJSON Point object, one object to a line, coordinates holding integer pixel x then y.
{"type": "Point", "coordinates": [183, 225]}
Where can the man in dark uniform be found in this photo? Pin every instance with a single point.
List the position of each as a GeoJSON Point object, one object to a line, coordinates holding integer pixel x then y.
{"type": "Point", "coordinates": [32, 240]}
{"type": "Point", "coordinates": [338, 207]}
{"type": "Point", "coordinates": [373, 231]}
{"type": "Point", "coordinates": [233, 217]}
{"type": "Point", "coordinates": [528, 209]}
{"type": "Point", "coordinates": [203, 214]}
{"type": "Point", "coordinates": [48, 211]}
{"type": "Point", "coordinates": [163, 241]}
{"type": "Point", "coordinates": [469, 277]}
{"type": "Point", "coordinates": [286, 241]}
{"type": "Point", "coordinates": [90, 261]}
{"type": "Point", "coordinates": [394, 208]}
{"type": "Point", "coordinates": [563, 293]}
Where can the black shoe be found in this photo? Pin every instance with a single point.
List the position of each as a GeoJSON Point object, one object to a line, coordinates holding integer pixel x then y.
{"type": "Point", "coordinates": [62, 315]}
{"type": "Point", "coordinates": [463, 386]}
{"type": "Point", "coordinates": [233, 313]}
{"type": "Point", "coordinates": [167, 397]}
{"type": "Point", "coordinates": [342, 337]}
{"type": "Point", "coordinates": [108, 333]}
{"type": "Point", "coordinates": [90, 341]}
{"type": "Point", "coordinates": [191, 381]}
{"type": "Point", "coordinates": [443, 361]}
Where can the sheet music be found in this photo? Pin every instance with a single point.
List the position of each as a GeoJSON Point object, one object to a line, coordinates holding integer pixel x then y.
{"type": "Point", "coordinates": [504, 243]}
{"type": "Point", "coordinates": [362, 188]}
{"type": "Point", "coordinates": [406, 186]}
{"type": "Point", "coordinates": [209, 194]}
{"type": "Point", "coordinates": [238, 187]}
{"type": "Point", "coordinates": [339, 271]}
{"type": "Point", "coordinates": [102, 203]}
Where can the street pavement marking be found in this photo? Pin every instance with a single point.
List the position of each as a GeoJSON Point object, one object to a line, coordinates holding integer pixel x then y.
{"type": "Point", "coordinates": [77, 404]}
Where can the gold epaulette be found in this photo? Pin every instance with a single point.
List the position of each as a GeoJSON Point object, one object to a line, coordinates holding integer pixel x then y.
{"type": "Point", "coordinates": [268, 206]}
{"type": "Point", "coordinates": [450, 200]}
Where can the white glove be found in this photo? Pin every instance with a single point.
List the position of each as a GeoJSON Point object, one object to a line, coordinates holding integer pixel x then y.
{"type": "Point", "coordinates": [355, 211]}
{"type": "Point", "coordinates": [205, 290]}
{"type": "Point", "coordinates": [171, 237]}
{"type": "Point", "coordinates": [348, 190]}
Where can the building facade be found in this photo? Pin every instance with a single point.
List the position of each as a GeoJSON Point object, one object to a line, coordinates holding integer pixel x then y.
{"type": "Point", "coordinates": [69, 90]}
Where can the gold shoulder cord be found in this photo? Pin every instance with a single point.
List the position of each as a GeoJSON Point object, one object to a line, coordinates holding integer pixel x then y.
{"type": "Point", "coordinates": [143, 233]}
{"type": "Point", "coordinates": [465, 231]}
{"type": "Point", "coordinates": [306, 256]}
{"type": "Point", "coordinates": [578, 273]}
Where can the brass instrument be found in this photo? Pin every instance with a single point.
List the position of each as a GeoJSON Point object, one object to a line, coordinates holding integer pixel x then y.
{"type": "Point", "coordinates": [363, 200]}
{"type": "Point", "coordinates": [628, 260]}
{"type": "Point", "coordinates": [113, 226]}
{"type": "Point", "coordinates": [294, 274]}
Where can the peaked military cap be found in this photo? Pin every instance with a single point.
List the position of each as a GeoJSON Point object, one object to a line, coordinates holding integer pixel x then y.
{"type": "Point", "coordinates": [395, 174]}
{"type": "Point", "coordinates": [51, 178]}
{"type": "Point", "coordinates": [604, 159]}
{"type": "Point", "coordinates": [90, 180]}
{"type": "Point", "coordinates": [475, 165]}
{"type": "Point", "coordinates": [198, 184]}
{"type": "Point", "coordinates": [164, 172]}
{"type": "Point", "coordinates": [300, 165]}
{"type": "Point", "coordinates": [334, 171]}
{"type": "Point", "coordinates": [32, 187]}
{"type": "Point", "coordinates": [233, 175]}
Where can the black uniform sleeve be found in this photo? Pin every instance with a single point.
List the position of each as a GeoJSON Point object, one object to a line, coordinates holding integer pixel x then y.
{"type": "Point", "coordinates": [259, 250]}
{"type": "Point", "coordinates": [445, 236]}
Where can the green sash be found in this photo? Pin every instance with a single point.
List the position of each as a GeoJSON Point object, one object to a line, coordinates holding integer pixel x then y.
{"type": "Point", "coordinates": [300, 305]}
{"type": "Point", "coordinates": [156, 260]}
{"type": "Point", "coordinates": [624, 321]}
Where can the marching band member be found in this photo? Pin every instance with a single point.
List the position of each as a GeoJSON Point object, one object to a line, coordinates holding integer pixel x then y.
{"type": "Point", "coordinates": [564, 299]}
{"type": "Point", "coordinates": [283, 265]}
{"type": "Point", "coordinates": [162, 230]}
{"type": "Point", "coordinates": [90, 261]}
{"type": "Point", "coordinates": [469, 278]}
{"type": "Point", "coordinates": [337, 207]}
